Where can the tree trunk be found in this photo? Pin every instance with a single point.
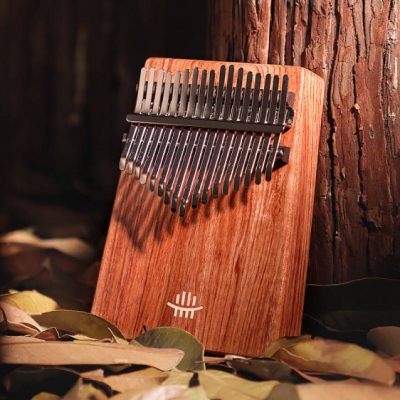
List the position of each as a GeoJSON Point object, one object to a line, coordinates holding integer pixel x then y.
{"type": "Point", "coordinates": [354, 46]}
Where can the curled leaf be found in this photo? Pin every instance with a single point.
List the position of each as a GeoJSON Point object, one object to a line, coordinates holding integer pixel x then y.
{"type": "Point", "coordinates": [386, 339]}
{"type": "Point", "coordinates": [19, 321]}
{"type": "Point", "coordinates": [345, 390]}
{"type": "Point", "coordinates": [266, 369]}
{"type": "Point", "coordinates": [80, 322]}
{"type": "Point", "coordinates": [73, 247]}
{"type": "Point", "coordinates": [282, 343]}
{"type": "Point", "coordinates": [339, 358]}
{"type": "Point", "coordinates": [31, 351]}
{"type": "Point", "coordinates": [30, 301]}
{"type": "Point", "coordinates": [225, 386]}
{"type": "Point", "coordinates": [174, 338]}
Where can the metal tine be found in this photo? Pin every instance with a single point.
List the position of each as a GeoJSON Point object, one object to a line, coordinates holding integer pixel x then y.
{"type": "Point", "coordinates": [193, 90]}
{"type": "Point", "coordinates": [143, 128]}
{"type": "Point", "coordinates": [193, 171]}
{"type": "Point", "coordinates": [203, 168]}
{"type": "Point", "coordinates": [135, 148]}
{"type": "Point", "coordinates": [232, 164]}
{"type": "Point", "coordinates": [150, 132]}
{"type": "Point", "coordinates": [262, 158]}
{"type": "Point", "coordinates": [168, 162]}
{"type": "Point", "coordinates": [252, 160]}
{"type": "Point", "coordinates": [228, 93]}
{"type": "Point", "coordinates": [140, 93]}
{"type": "Point", "coordinates": [267, 137]}
{"type": "Point", "coordinates": [167, 88]}
{"type": "Point", "coordinates": [282, 99]}
{"type": "Point", "coordinates": [256, 92]}
{"type": "Point", "coordinates": [160, 157]}
{"type": "Point", "coordinates": [265, 98]}
{"type": "Point", "coordinates": [174, 101]}
{"type": "Point", "coordinates": [212, 166]}
{"type": "Point", "coordinates": [149, 93]}
{"type": "Point", "coordinates": [133, 129]}
{"type": "Point", "coordinates": [274, 98]}
{"type": "Point", "coordinates": [151, 154]}
{"type": "Point", "coordinates": [249, 137]}
{"type": "Point", "coordinates": [183, 100]}
{"type": "Point", "coordinates": [238, 93]}
{"type": "Point", "coordinates": [220, 92]}
{"type": "Point", "coordinates": [184, 168]}
{"type": "Point", "coordinates": [229, 138]}
{"type": "Point", "coordinates": [157, 97]}
{"type": "Point", "coordinates": [200, 103]}
{"type": "Point", "coordinates": [210, 92]}
{"type": "Point", "coordinates": [176, 164]}
{"type": "Point", "coordinates": [143, 151]}
{"type": "Point", "coordinates": [221, 136]}
{"type": "Point", "coordinates": [128, 146]}
{"type": "Point", "coordinates": [277, 138]}
{"type": "Point", "coordinates": [238, 138]}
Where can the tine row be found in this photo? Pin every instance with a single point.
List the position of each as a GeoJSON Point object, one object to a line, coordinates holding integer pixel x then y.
{"type": "Point", "coordinates": [183, 95]}
{"type": "Point", "coordinates": [183, 164]}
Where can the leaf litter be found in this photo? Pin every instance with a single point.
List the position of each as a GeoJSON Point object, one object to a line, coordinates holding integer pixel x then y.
{"type": "Point", "coordinates": [51, 349]}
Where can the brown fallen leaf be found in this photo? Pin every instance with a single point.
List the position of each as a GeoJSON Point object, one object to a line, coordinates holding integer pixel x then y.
{"type": "Point", "coordinates": [346, 391]}
{"type": "Point", "coordinates": [137, 380]}
{"type": "Point", "coordinates": [45, 396]}
{"type": "Point", "coordinates": [30, 301]}
{"type": "Point", "coordinates": [73, 247]}
{"type": "Point", "coordinates": [80, 322]}
{"type": "Point", "coordinates": [84, 391]}
{"type": "Point", "coordinates": [282, 343]}
{"type": "Point", "coordinates": [171, 392]}
{"type": "Point", "coordinates": [386, 339]}
{"type": "Point", "coordinates": [31, 351]}
{"type": "Point", "coordinates": [19, 321]}
{"type": "Point", "coordinates": [336, 357]}
{"type": "Point", "coordinates": [225, 386]}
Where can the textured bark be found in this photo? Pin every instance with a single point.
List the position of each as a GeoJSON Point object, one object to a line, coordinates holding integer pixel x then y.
{"type": "Point", "coordinates": [354, 46]}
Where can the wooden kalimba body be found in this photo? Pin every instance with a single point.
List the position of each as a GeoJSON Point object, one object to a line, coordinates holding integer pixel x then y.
{"type": "Point", "coordinates": [229, 263]}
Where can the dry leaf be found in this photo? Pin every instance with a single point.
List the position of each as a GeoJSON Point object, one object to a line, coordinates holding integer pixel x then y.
{"type": "Point", "coordinates": [45, 396]}
{"type": "Point", "coordinates": [284, 391]}
{"type": "Point", "coordinates": [172, 392]}
{"type": "Point", "coordinates": [84, 391]}
{"type": "Point", "coordinates": [19, 321]}
{"type": "Point", "coordinates": [175, 338]}
{"type": "Point", "coordinates": [30, 301]}
{"type": "Point", "coordinates": [31, 351]}
{"type": "Point", "coordinates": [386, 339]}
{"type": "Point", "coordinates": [346, 391]}
{"type": "Point", "coordinates": [338, 358]}
{"type": "Point", "coordinates": [282, 343]}
{"type": "Point", "coordinates": [137, 380]}
{"type": "Point", "coordinates": [73, 247]}
{"type": "Point", "coordinates": [225, 386]}
{"type": "Point", "coordinates": [82, 323]}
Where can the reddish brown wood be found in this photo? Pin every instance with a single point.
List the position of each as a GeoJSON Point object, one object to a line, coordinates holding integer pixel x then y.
{"type": "Point", "coordinates": [354, 46]}
{"type": "Point", "coordinates": [243, 255]}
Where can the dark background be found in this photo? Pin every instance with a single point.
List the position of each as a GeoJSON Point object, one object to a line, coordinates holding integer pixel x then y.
{"type": "Point", "coordinates": [68, 75]}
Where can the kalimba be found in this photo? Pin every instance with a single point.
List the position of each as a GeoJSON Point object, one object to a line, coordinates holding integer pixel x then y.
{"type": "Point", "coordinates": [211, 223]}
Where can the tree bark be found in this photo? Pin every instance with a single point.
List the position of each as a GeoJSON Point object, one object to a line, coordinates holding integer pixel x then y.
{"type": "Point", "coordinates": [354, 46]}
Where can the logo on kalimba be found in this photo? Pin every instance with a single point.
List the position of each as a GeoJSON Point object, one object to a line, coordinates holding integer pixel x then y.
{"type": "Point", "coordinates": [188, 308]}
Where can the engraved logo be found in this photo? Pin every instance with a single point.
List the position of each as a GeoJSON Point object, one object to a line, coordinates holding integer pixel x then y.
{"type": "Point", "coordinates": [187, 309]}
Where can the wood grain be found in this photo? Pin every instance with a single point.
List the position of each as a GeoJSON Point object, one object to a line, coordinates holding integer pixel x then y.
{"type": "Point", "coordinates": [243, 255]}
